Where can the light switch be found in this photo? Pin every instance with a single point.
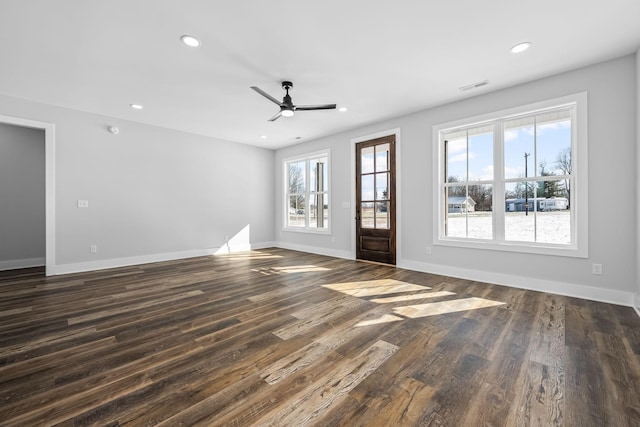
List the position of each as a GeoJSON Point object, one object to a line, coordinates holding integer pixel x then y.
{"type": "Point", "coordinates": [83, 203]}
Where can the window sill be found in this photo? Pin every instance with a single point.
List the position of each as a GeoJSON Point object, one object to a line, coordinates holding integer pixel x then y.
{"type": "Point", "coordinates": [518, 247]}
{"type": "Point", "coordinates": [321, 231]}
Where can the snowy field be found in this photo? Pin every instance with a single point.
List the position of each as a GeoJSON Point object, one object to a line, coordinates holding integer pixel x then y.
{"type": "Point", "coordinates": [543, 227]}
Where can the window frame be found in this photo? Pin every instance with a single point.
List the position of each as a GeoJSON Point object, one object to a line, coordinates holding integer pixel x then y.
{"type": "Point", "coordinates": [579, 173]}
{"type": "Point", "coordinates": [307, 193]}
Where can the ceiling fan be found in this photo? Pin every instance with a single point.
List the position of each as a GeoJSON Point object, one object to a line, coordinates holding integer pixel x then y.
{"type": "Point", "coordinates": [286, 106]}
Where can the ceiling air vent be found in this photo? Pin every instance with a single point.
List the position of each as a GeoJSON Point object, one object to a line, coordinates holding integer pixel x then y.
{"type": "Point", "coordinates": [474, 85]}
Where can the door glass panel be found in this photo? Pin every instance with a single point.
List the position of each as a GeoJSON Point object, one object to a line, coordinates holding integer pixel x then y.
{"type": "Point", "coordinates": [366, 163]}
{"type": "Point", "coordinates": [367, 217]}
{"type": "Point", "coordinates": [367, 187]}
{"type": "Point", "coordinates": [382, 186]}
{"type": "Point", "coordinates": [382, 214]}
{"type": "Point", "coordinates": [382, 157]}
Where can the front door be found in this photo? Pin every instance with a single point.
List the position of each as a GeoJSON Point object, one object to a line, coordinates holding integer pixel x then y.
{"type": "Point", "coordinates": [376, 200]}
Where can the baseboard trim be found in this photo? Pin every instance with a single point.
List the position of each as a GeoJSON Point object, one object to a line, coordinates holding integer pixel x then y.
{"type": "Point", "coordinates": [628, 299]}
{"type": "Point", "coordinates": [15, 264]}
{"type": "Point", "coordinates": [81, 267]}
{"type": "Point", "coordinates": [315, 250]}
{"type": "Point", "coordinates": [552, 287]}
{"type": "Point", "coordinates": [521, 282]}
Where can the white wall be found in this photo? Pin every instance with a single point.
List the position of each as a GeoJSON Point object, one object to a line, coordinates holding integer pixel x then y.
{"type": "Point", "coordinates": [153, 193]}
{"type": "Point", "coordinates": [22, 197]}
{"type": "Point", "coordinates": [612, 164]}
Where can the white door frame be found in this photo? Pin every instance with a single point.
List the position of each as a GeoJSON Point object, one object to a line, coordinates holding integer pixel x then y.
{"type": "Point", "coordinates": [50, 185]}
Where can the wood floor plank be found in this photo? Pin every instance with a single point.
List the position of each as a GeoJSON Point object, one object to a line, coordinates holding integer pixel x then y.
{"type": "Point", "coordinates": [279, 337]}
{"type": "Point", "coordinates": [311, 404]}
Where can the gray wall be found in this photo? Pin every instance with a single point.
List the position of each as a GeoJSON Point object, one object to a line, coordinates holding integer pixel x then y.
{"type": "Point", "coordinates": [22, 197]}
{"type": "Point", "coordinates": [637, 299]}
{"type": "Point", "coordinates": [151, 191]}
{"type": "Point", "coordinates": [612, 165]}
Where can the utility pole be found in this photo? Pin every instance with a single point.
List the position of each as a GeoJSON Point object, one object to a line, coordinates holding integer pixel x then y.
{"type": "Point", "coordinates": [526, 186]}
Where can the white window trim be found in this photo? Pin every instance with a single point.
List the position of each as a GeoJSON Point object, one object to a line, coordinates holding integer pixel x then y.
{"type": "Point", "coordinates": [305, 157]}
{"type": "Point", "coordinates": [579, 197]}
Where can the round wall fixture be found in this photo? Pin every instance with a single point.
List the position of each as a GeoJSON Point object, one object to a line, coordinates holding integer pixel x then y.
{"type": "Point", "coordinates": [114, 130]}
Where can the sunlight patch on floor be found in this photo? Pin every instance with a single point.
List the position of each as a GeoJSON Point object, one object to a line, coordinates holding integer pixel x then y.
{"type": "Point", "coordinates": [248, 255]}
{"type": "Point", "coordinates": [374, 287]}
{"type": "Point", "coordinates": [300, 269]}
{"type": "Point", "coordinates": [385, 318]}
{"type": "Point", "coordinates": [443, 307]}
{"type": "Point", "coordinates": [268, 271]}
{"type": "Point", "coordinates": [412, 297]}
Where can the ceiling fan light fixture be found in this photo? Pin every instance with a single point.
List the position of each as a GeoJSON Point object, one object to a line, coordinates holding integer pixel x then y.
{"type": "Point", "coordinates": [521, 47]}
{"type": "Point", "coordinates": [286, 112]}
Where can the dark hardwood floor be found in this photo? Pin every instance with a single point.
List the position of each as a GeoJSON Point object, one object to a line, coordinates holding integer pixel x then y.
{"type": "Point", "coordinates": [277, 337]}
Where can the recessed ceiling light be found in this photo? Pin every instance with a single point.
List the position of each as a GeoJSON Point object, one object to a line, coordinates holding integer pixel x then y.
{"type": "Point", "coordinates": [342, 109]}
{"type": "Point", "coordinates": [263, 136]}
{"type": "Point", "coordinates": [190, 41]}
{"type": "Point", "coordinates": [521, 47]}
{"type": "Point", "coordinates": [136, 106]}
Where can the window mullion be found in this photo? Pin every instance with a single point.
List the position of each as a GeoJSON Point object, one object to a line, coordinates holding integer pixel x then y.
{"type": "Point", "coordinates": [499, 184]}
{"type": "Point", "coordinates": [307, 192]}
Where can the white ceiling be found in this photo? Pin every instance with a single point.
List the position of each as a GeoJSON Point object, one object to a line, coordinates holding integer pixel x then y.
{"type": "Point", "coordinates": [381, 59]}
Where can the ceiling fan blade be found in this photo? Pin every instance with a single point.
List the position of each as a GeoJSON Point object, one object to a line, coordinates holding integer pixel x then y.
{"type": "Point", "coordinates": [266, 95]}
{"type": "Point", "coordinates": [315, 107]}
{"type": "Point", "coordinates": [276, 117]}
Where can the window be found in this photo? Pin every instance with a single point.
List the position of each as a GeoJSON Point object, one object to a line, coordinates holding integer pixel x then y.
{"type": "Point", "coordinates": [508, 181]}
{"type": "Point", "coordinates": [307, 193]}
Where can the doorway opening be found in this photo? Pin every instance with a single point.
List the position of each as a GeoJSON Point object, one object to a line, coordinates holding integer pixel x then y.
{"type": "Point", "coordinates": [49, 165]}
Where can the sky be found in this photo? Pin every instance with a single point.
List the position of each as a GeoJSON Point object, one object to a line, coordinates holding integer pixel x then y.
{"type": "Point", "coordinates": [552, 138]}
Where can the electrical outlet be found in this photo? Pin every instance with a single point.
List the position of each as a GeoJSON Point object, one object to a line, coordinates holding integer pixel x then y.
{"type": "Point", "coordinates": [428, 250]}
{"type": "Point", "coordinates": [596, 269]}
{"type": "Point", "coordinates": [93, 249]}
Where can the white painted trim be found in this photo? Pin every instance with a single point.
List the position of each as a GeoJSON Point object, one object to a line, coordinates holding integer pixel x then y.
{"type": "Point", "coordinates": [354, 141]}
{"type": "Point", "coordinates": [285, 177]}
{"type": "Point", "coordinates": [579, 193]}
{"type": "Point", "coordinates": [146, 259]}
{"type": "Point", "coordinates": [560, 288]}
{"type": "Point", "coordinates": [315, 250]}
{"type": "Point", "coordinates": [50, 184]}
{"type": "Point", "coordinates": [14, 264]}
{"type": "Point", "coordinates": [609, 296]}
